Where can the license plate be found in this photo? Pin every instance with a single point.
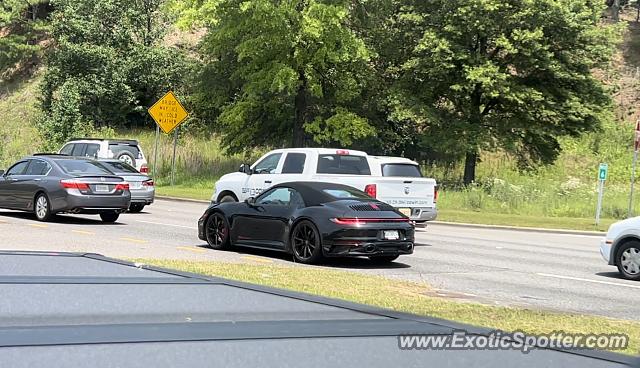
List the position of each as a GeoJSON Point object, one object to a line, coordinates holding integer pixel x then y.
{"type": "Point", "coordinates": [102, 189]}
{"type": "Point", "coordinates": [135, 185]}
{"type": "Point", "coordinates": [391, 235]}
{"type": "Point", "coordinates": [405, 211]}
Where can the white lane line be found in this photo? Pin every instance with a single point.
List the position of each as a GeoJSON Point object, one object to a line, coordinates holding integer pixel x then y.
{"type": "Point", "coordinates": [588, 280]}
{"type": "Point", "coordinates": [165, 224]}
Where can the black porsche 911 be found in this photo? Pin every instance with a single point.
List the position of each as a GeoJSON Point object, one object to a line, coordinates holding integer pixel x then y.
{"type": "Point", "coordinates": [311, 221]}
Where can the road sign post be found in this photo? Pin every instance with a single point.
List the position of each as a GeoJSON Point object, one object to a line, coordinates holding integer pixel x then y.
{"type": "Point", "coordinates": [633, 167]}
{"type": "Point", "coordinates": [155, 152]}
{"type": "Point", "coordinates": [168, 113]}
{"type": "Point", "coordinates": [602, 177]}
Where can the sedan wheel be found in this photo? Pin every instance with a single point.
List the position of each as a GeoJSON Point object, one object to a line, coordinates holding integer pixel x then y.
{"type": "Point", "coordinates": [217, 232]}
{"type": "Point", "coordinates": [109, 217]}
{"type": "Point", "coordinates": [136, 207]}
{"type": "Point", "coordinates": [628, 260]}
{"type": "Point", "coordinates": [306, 244]}
{"type": "Point", "coordinates": [42, 208]}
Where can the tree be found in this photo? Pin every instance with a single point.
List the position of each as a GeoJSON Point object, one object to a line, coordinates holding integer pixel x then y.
{"type": "Point", "coordinates": [283, 72]}
{"type": "Point", "coordinates": [501, 74]}
{"type": "Point", "coordinates": [22, 26]}
{"type": "Point", "coordinates": [109, 64]}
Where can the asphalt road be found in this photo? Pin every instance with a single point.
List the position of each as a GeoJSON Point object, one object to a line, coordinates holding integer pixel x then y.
{"type": "Point", "coordinates": [503, 267]}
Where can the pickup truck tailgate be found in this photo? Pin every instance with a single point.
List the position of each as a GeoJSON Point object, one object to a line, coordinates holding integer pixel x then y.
{"type": "Point", "coordinates": [406, 192]}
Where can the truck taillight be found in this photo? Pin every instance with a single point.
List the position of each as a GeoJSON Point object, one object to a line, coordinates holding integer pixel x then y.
{"type": "Point", "coordinates": [342, 152]}
{"type": "Point", "coordinates": [371, 190]}
{"type": "Point", "coordinates": [435, 194]}
{"type": "Point", "coordinates": [144, 169]}
{"type": "Point", "coordinates": [74, 184]}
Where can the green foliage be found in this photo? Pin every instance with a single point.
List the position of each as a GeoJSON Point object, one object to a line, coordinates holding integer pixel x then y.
{"type": "Point", "coordinates": [481, 75]}
{"type": "Point", "coordinates": [108, 67]}
{"type": "Point", "coordinates": [21, 29]}
{"type": "Point", "coordinates": [279, 69]}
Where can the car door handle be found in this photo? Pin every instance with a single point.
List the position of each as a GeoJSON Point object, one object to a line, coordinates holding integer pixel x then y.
{"type": "Point", "coordinates": [38, 179]}
{"type": "Point", "coordinates": [267, 181]}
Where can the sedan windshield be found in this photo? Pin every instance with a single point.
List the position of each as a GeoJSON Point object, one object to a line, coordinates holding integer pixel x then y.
{"type": "Point", "coordinates": [83, 167]}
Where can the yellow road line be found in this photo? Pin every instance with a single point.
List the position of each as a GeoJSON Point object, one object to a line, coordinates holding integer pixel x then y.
{"type": "Point", "coordinates": [257, 259]}
{"type": "Point", "coordinates": [41, 226]}
{"type": "Point", "coordinates": [83, 232]}
{"type": "Point", "coordinates": [134, 240]}
{"type": "Point", "coordinates": [192, 249]}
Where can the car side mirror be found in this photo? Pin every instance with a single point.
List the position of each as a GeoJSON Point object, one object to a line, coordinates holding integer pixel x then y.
{"type": "Point", "coordinates": [245, 169]}
{"type": "Point", "coordinates": [250, 201]}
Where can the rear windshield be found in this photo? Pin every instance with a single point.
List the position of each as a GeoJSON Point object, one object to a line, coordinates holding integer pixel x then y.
{"type": "Point", "coordinates": [343, 164]}
{"type": "Point", "coordinates": [406, 170]}
{"type": "Point", "coordinates": [131, 148]}
{"type": "Point", "coordinates": [119, 167]}
{"type": "Point", "coordinates": [82, 167]}
{"type": "Point", "coordinates": [346, 193]}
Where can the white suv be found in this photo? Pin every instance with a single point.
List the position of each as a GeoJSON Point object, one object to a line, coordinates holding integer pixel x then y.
{"type": "Point", "coordinates": [621, 247]}
{"type": "Point", "coordinates": [125, 150]}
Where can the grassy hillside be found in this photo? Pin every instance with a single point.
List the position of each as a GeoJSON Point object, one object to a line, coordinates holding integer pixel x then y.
{"type": "Point", "coordinates": [566, 189]}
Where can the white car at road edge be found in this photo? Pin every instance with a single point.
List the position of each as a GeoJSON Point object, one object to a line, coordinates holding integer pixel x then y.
{"type": "Point", "coordinates": [621, 247]}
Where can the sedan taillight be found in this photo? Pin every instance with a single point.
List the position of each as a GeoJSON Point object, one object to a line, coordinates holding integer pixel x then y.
{"type": "Point", "coordinates": [74, 184]}
{"type": "Point", "coordinates": [148, 183]}
{"type": "Point", "coordinates": [122, 186]}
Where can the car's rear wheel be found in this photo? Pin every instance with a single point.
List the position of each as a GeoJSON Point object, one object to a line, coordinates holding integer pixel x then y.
{"type": "Point", "coordinates": [42, 208]}
{"type": "Point", "coordinates": [136, 207]}
{"type": "Point", "coordinates": [306, 244]}
{"type": "Point", "coordinates": [384, 259]}
{"type": "Point", "coordinates": [109, 217]}
{"type": "Point", "coordinates": [628, 260]}
{"type": "Point", "coordinates": [217, 232]}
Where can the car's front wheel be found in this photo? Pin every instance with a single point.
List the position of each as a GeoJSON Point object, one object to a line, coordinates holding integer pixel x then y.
{"type": "Point", "coordinates": [42, 208]}
{"type": "Point", "coordinates": [628, 260]}
{"type": "Point", "coordinates": [217, 231]}
{"type": "Point", "coordinates": [384, 259]}
{"type": "Point", "coordinates": [109, 217]}
{"type": "Point", "coordinates": [306, 244]}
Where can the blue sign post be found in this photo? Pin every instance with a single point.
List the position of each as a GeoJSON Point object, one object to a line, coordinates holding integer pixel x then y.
{"type": "Point", "coordinates": [603, 172]}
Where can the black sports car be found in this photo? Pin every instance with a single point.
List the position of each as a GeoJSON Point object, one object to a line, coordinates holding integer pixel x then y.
{"type": "Point", "coordinates": [311, 221]}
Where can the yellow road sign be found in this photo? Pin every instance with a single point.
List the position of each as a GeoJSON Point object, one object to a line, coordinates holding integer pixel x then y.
{"type": "Point", "coordinates": [168, 113]}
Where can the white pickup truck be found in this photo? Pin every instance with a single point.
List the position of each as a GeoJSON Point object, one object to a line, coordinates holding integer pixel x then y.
{"type": "Point", "coordinates": [396, 181]}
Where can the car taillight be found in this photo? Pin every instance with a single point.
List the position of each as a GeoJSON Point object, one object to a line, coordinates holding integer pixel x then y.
{"type": "Point", "coordinates": [148, 183]}
{"type": "Point", "coordinates": [122, 186]}
{"type": "Point", "coordinates": [362, 221]}
{"type": "Point", "coordinates": [371, 190]}
{"type": "Point", "coordinates": [144, 169]}
{"type": "Point", "coordinates": [435, 194]}
{"type": "Point", "coordinates": [73, 184]}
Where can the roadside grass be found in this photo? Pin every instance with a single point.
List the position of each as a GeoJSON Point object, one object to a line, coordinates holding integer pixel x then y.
{"type": "Point", "coordinates": [193, 189]}
{"type": "Point", "coordinates": [488, 218]}
{"type": "Point", "coordinates": [409, 297]}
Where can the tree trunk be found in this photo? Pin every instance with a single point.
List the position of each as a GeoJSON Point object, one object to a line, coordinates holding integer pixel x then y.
{"type": "Point", "coordinates": [470, 167]}
{"type": "Point", "coordinates": [615, 10]}
{"type": "Point", "coordinates": [300, 114]}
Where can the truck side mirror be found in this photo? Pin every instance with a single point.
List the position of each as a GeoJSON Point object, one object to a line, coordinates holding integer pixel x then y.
{"type": "Point", "coordinates": [245, 169]}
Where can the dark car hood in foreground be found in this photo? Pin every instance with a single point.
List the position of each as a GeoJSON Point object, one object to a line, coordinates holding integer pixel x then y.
{"type": "Point", "coordinates": [84, 310]}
